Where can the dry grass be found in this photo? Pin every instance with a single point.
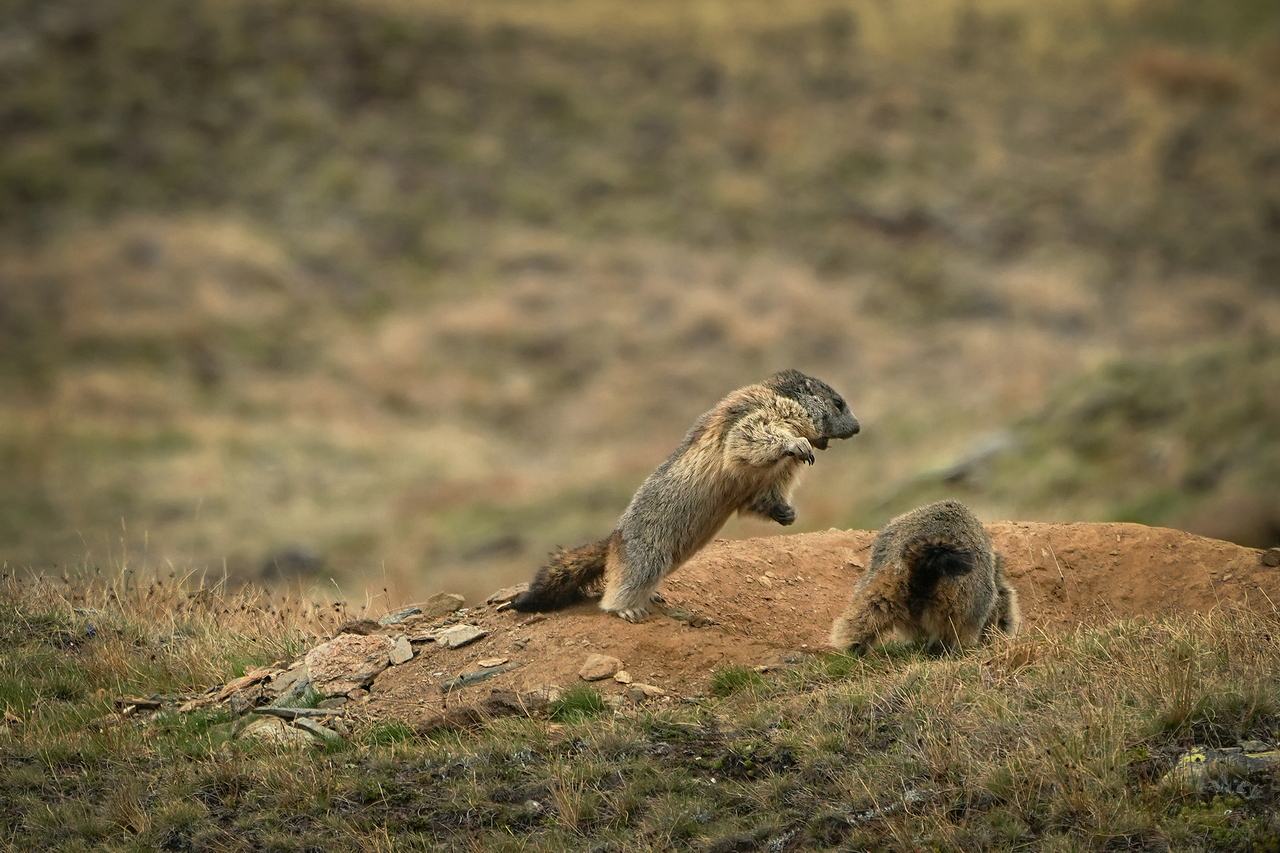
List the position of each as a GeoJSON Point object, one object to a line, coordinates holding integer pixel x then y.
{"type": "Point", "coordinates": [438, 304]}
{"type": "Point", "coordinates": [1056, 741]}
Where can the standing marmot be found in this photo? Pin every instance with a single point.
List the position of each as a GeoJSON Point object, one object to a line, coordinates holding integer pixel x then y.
{"type": "Point", "coordinates": [934, 575]}
{"type": "Point", "coordinates": [742, 456]}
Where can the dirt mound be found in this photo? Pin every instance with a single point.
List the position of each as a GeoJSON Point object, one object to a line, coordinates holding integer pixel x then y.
{"type": "Point", "coordinates": [761, 601]}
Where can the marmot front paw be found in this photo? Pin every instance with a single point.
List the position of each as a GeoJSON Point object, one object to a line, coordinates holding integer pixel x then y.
{"type": "Point", "coordinates": [784, 514]}
{"type": "Point", "coordinates": [800, 449]}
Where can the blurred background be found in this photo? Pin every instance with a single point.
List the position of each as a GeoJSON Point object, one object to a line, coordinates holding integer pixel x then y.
{"type": "Point", "coordinates": [393, 296]}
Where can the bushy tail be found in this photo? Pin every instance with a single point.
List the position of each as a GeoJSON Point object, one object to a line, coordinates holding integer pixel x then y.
{"type": "Point", "coordinates": [929, 560]}
{"type": "Point", "coordinates": [565, 579]}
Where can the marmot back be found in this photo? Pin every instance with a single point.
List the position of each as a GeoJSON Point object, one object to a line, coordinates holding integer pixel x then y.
{"type": "Point", "coordinates": [934, 575]}
{"type": "Point", "coordinates": [741, 456]}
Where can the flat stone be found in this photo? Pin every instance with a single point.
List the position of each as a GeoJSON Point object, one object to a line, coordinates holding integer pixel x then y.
{"type": "Point", "coordinates": [458, 636]}
{"type": "Point", "coordinates": [284, 681]}
{"type": "Point", "coordinates": [347, 662]}
{"type": "Point", "coordinates": [1271, 557]}
{"type": "Point", "coordinates": [598, 667]}
{"type": "Point", "coordinates": [1218, 770]}
{"type": "Point", "coordinates": [272, 730]}
{"type": "Point", "coordinates": [401, 650]}
{"type": "Point", "coordinates": [490, 662]}
{"type": "Point", "coordinates": [546, 693]}
{"type": "Point", "coordinates": [467, 679]}
{"type": "Point", "coordinates": [440, 604]}
{"type": "Point", "coordinates": [295, 692]}
{"type": "Point", "coordinates": [249, 679]}
{"type": "Point", "coordinates": [641, 692]}
{"type": "Point", "coordinates": [324, 734]}
{"type": "Point", "coordinates": [622, 677]}
{"type": "Point", "coordinates": [400, 616]}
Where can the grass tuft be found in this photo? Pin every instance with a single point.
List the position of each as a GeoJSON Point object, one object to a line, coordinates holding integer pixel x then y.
{"type": "Point", "coordinates": [734, 679]}
{"type": "Point", "coordinates": [578, 702]}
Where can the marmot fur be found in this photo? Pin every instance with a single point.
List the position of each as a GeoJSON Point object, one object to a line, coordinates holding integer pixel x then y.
{"type": "Point", "coordinates": [742, 456]}
{"type": "Point", "coordinates": [934, 575]}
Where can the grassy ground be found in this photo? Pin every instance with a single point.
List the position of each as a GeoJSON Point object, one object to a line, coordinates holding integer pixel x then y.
{"type": "Point", "coordinates": [425, 289]}
{"type": "Point", "coordinates": [1052, 742]}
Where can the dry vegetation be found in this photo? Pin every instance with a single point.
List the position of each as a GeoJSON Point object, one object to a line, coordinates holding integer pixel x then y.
{"type": "Point", "coordinates": [1057, 741]}
{"type": "Point", "coordinates": [410, 293]}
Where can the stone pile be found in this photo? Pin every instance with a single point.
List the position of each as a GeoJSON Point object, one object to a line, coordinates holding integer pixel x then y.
{"type": "Point", "coordinates": [305, 701]}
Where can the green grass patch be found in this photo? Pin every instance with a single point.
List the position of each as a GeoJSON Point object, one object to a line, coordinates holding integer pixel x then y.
{"type": "Point", "coordinates": [578, 702]}
{"type": "Point", "coordinates": [734, 679]}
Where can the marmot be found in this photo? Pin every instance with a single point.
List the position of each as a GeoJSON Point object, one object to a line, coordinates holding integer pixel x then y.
{"type": "Point", "coordinates": [934, 575]}
{"type": "Point", "coordinates": [742, 456]}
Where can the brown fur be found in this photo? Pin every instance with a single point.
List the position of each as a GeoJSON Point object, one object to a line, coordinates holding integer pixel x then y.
{"type": "Point", "coordinates": [934, 575]}
{"type": "Point", "coordinates": [742, 456]}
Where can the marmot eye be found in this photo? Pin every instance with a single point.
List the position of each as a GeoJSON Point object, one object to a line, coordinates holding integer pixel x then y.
{"type": "Point", "coordinates": [839, 405]}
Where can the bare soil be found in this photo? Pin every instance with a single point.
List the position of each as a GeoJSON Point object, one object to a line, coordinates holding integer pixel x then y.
{"type": "Point", "coordinates": [761, 602]}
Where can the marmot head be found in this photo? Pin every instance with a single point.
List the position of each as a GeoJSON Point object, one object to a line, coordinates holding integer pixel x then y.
{"type": "Point", "coordinates": [830, 415]}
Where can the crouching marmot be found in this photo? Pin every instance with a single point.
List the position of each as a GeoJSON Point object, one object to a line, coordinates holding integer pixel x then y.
{"type": "Point", "coordinates": [742, 456]}
{"type": "Point", "coordinates": [934, 575]}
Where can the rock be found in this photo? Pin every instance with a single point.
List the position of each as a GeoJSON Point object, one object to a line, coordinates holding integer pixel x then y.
{"type": "Point", "coordinates": [347, 662]}
{"type": "Point", "coordinates": [440, 604]}
{"type": "Point", "coordinates": [401, 616]}
{"type": "Point", "coordinates": [507, 593]}
{"type": "Point", "coordinates": [641, 692]}
{"type": "Point", "coordinates": [196, 704]}
{"type": "Point", "coordinates": [598, 667]}
{"type": "Point", "coordinates": [243, 701]}
{"type": "Point", "coordinates": [614, 702]}
{"type": "Point", "coordinates": [1231, 771]}
{"type": "Point", "coordinates": [284, 682]}
{"type": "Point", "coordinates": [401, 650]}
{"type": "Point", "coordinates": [490, 662]}
{"type": "Point", "coordinates": [273, 730]}
{"type": "Point", "coordinates": [317, 731]}
{"type": "Point", "coordinates": [298, 713]}
{"type": "Point", "coordinates": [297, 690]}
{"type": "Point", "coordinates": [333, 703]}
{"type": "Point", "coordinates": [545, 694]}
{"type": "Point", "coordinates": [622, 677]}
{"type": "Point", "coordinates": [467, 679]}
{"type": "Point", "coordinates": [1271, 557]}
{"type": "Point", "coordinates": [249, 679]}
{"type": "Point", "coordinates": [458, 636]}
